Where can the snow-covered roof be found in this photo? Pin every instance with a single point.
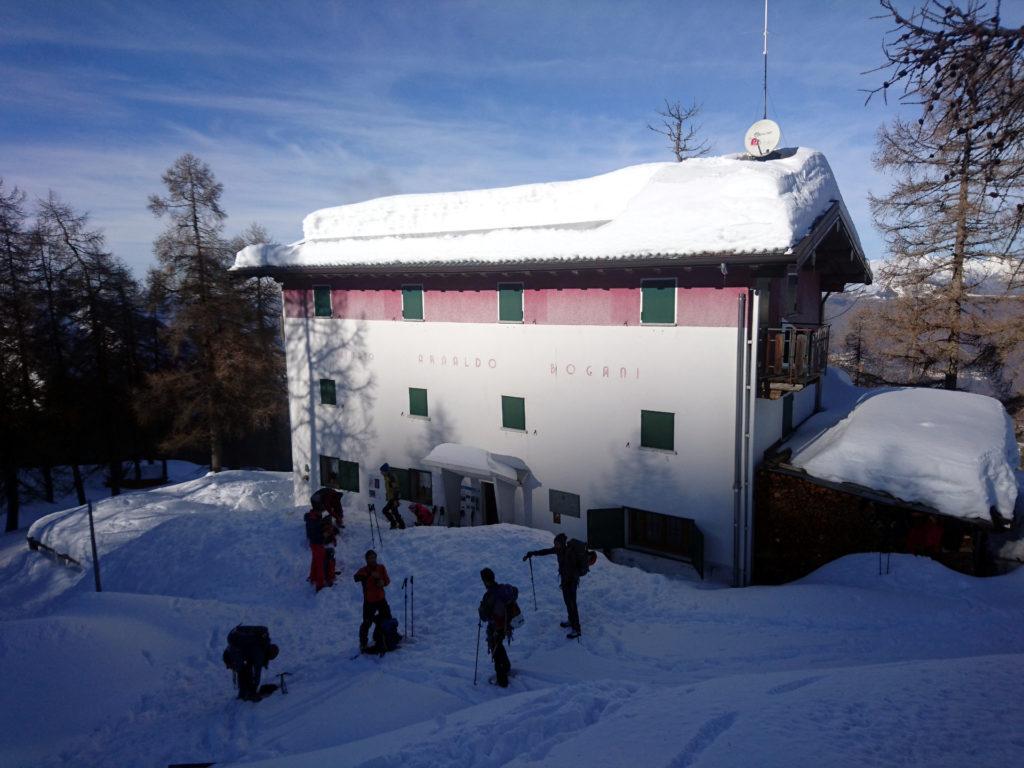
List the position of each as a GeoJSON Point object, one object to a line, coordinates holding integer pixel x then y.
{"type": "Point", "coordinates": [952, 451]}
{"type": "Point", "coordinates": [716, 205]}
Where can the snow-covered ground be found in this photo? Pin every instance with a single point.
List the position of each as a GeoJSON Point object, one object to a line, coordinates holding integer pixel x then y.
{"type": "Point", "coordinates": [922, 666]}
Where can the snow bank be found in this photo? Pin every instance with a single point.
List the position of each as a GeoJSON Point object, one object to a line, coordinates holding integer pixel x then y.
{"type": "Point", "coordinates": [726, 204]}
{"type": "Point", "coordinates": [954, 451]}
{"type": "Point", "coordinates": [844, 668]}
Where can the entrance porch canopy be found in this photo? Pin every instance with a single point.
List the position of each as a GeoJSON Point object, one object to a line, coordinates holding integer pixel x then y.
{"type": "Point", "coordinates": [477, 463]}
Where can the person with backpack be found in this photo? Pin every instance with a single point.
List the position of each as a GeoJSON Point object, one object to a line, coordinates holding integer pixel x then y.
{"type": "Point", "coordinates": [315, 534]}
{"type": "Point", "coordinates": [329, 500]}
{"type": "Point", "coordinates": [422, 513]}
{"type": "Point", "coordinates": [373, 577]}
{"type": "Point", "coordinates": [393, 492]}
{"type": "Point", "coordinates": [500, 610]}
{"type": "Point", "coordinates": [249, 652]}
{"type": "Point", "coordinates": [573, 562]}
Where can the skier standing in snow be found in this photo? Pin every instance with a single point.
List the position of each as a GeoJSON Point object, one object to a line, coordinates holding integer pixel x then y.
{"type": "Point", "coordinates": [494, 610]}
{"type": "Point", "coordinates": [315, 533]}
{"type": "Point", "coordinates": [393, 490]}
{"type": "Point", "coordinates": [374, 577]}
{"type": "Point", "coordinates": [573, 562]}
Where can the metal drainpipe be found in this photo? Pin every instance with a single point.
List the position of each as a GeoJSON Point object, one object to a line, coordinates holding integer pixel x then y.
{"type": "Point", "coordinates": [748, 501]}
{"type": "Point", "coordinates": [737, 484]}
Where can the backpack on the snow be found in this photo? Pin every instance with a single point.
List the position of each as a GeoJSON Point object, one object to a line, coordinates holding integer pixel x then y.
{"type": "Point", "coordinates": [385, 635]}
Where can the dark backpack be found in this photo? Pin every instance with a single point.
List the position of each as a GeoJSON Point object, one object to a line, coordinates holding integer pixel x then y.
{"type": "Point", "coordinates": [508, 596]}
{"type": "Point", "coordinates": [249, 644]}
{"type": "Point", "coordinates": [580, 557]}
{"type": "Point", "coordinates": [386, 634]}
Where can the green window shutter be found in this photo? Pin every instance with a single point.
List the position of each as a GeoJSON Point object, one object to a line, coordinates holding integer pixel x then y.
{"type": "Point", "coordinates": [348, 476]}
{"type": "Point", "coordinates": [657, 430]}
{"type": "Point", "coordinates": [417, 402]}
{"type": "Point", "coordinates": [322, 301]}
{"type": "Point", "coordinates": [328, 395]}
{"type": "Point", "coordinates": [404, 485]}
{"type": "Point", "coordinates": [412, 302]}
{"type": "Point", "coordinates": [337, 473]}
{"type": "Point", "coordinates": [513, 413]}
{"type": "Point", "coordinates": [510, 302]}
{"type": "Point", "coordinates": [658, 301]}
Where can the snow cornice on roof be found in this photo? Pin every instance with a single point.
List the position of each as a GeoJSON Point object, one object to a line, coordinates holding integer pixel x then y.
{"type": "Point", "coordinates": [703, 211]}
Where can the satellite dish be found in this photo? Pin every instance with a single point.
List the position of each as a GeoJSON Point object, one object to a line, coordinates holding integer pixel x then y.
{"type": "Point", "coordinates": [762, 138]}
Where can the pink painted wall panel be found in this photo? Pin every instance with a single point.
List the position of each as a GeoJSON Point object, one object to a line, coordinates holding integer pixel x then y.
{"type": "Point", "coordinates": [561, 303]}
{"type": "Point", "coordinates": [295, 301]}
{"type": "Point", "coordinates": [707, 307]}
{"type": "Point", "coordinates": [582, 306]}
{"type": "Point", "coordinates": [460, 306]}
{"type": "Point", "coordinates": [367, 304]}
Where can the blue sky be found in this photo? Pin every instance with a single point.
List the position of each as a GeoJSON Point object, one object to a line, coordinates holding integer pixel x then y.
{"type": "Point", "coordinates": [298, 106]}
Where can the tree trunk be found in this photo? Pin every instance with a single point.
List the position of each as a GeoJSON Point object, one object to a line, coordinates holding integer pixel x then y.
{"type": "Point", "coordinates": [76, 473]}
{"type": "Point", "coordinates": [48, 482]}
{"type": "Point", "coordinates": [215, 448]}
{"type": "Point", "coordinates": [114, 470]}
{"type": "Point", "coordinates": [956, 283]}
{"type": "Point", "coordinates": [13, 505]}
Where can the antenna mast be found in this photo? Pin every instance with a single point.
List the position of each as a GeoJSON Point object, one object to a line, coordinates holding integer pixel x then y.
{"type": "Point", "coordinates": [765, 53]}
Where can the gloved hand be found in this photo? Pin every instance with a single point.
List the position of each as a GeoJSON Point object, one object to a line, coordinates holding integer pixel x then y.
{"type": "Point", "coordinates": [527, 556]}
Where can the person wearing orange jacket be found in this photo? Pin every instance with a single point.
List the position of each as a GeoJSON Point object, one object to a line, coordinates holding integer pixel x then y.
{"type": "Point", "coordinates": [374, 577]}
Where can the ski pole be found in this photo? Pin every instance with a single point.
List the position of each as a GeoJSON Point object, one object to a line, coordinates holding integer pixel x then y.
{"type": "Point", "coordinates": [412, 589]}
{"type": "Point", "coordinates": [477, 662]}
{"type": "Point", "coordinates": [405, 598]}
{"type": "Point", "coordinates": [534, 586]}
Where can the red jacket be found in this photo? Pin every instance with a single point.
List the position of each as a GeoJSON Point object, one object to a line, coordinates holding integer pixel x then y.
{"type": "Point", "coordinates": [374, 580]}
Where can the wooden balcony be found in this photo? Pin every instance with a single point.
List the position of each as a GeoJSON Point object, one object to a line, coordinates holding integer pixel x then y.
{"type": "Point", "coordinates": [790, 358]}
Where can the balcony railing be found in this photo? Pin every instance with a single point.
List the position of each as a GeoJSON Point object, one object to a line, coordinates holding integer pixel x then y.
{"type": "Point", "coordinates": [791, 357]}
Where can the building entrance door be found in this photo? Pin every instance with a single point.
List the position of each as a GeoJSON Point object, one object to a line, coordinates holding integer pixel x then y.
{"type": "Point", "coordinates": [488, 503]}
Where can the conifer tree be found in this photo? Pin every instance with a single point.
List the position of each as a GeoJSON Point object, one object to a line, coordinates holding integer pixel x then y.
{"type": "Point", "coordinates": [952, 220]}
{"type": "Point", "coordinates": [222, 379]}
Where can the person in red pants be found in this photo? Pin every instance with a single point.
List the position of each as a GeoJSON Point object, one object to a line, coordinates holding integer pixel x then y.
{"type": "Point", "coordinates": [315, 534]}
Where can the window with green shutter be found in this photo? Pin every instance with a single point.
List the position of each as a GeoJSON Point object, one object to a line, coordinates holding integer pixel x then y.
{"type": "Point", "coordinates": [322, 300]}
{"type": "Point", "coordinates": [658, 302]}
{"type": "Point", "coordinates": [338, 473]}
{"type": "Point", "coordinates": [513, 413]}
{"type": "Point", "coordinates": [417, 402]}
{"type": "Point", "coordinates": [510, 302]}
{"type": "Point", "coordinates": [328, 395]}
{"type": "Point", "coordinates": [412, 302]}
{"type": "Point", "coordinates": [657, 430]}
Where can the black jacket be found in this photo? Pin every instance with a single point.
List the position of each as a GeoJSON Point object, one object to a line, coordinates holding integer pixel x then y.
{"type": "Point", "coordinates": [567, 559]}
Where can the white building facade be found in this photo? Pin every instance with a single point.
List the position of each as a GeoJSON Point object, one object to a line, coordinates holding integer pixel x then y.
{"type": "Point", "coordinates": [607, 358]}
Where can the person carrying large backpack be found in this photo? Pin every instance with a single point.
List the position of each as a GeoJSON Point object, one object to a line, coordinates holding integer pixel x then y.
{"type": "Point", "coordinates": [315, 533]}
{"type": "Point", "coordinates": [249, 652]}
{"type": "Point", "coordinates": [499, 610]}
{"type": "Point", "coordinates": [574, 561]}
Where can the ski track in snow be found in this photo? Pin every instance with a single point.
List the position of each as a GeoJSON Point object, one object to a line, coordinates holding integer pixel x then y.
{"type": "Point", "coordinates": [865, 669]}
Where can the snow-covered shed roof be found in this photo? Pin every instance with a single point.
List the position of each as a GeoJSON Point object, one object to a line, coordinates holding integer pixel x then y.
{"type": "Point", "coordinates": [730, 205]}
{"type": "Point", "coordinates": [954, 452]}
